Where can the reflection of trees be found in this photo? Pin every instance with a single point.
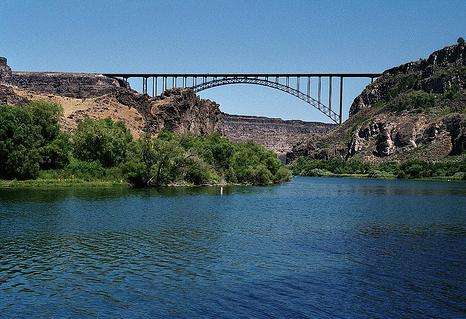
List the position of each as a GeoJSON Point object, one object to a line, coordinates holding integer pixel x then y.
{"type": "Point", "coordinates": [102, 193]}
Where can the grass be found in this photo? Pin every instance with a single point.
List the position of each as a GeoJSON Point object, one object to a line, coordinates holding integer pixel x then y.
{"type": "Point", "coordinates": [59, 183]}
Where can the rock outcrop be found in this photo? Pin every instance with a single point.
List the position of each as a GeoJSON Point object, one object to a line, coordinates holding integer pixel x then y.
{"type": "Point", "coordinates": [416, 110]}
{"type": "Point", "coordinates": [5, 70]}
{"type": "Point", "coordinates": [274, 133]}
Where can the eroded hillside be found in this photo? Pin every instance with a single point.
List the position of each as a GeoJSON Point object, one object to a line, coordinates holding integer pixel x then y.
{"type": "Point", "coordinates": [416, 110]}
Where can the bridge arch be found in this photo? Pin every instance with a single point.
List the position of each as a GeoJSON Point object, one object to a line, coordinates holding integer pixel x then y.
{"type": "Point", "coordinates": [272, 84]}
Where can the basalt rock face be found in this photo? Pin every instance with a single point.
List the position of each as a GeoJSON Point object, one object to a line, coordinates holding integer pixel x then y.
{"type": "Point", "coordinates": [274, 133]}
{"type": "Point", "coordinates": [5, 70]}
{"type": "Point", "coordinates": [72, 85]}
{"type": "Point", "coordinates": [416, 110]}
{"type": "Point", "coordinates": [182, 111]}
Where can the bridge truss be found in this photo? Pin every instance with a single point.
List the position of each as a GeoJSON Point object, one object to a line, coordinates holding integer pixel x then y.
{"type": "Point", "coordinates": [296, 84]}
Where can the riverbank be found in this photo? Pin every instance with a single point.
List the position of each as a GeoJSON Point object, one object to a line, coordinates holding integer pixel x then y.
{"type": "Point", "coordinates": [454, 169]}
{"type": "Point", "coordinates": [121, 183]}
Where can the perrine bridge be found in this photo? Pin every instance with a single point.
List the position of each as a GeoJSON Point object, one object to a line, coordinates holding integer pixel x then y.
{"type": "Point", "coordinates": [296, 84]}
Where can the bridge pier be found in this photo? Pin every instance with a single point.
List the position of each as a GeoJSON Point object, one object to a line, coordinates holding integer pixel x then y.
{"type": "Point", "coordinates": [144, 85]}
{"type": "Point", "coordinates": [308, 87]}
{"type": "Point", "coordinates": [330, 80]}
{"type": "Point", "coordinates": [341, 100]}
{"type": "Point", "coordinates": [153, 86]}
{"type": "Point", "coordinates": [319, 90]}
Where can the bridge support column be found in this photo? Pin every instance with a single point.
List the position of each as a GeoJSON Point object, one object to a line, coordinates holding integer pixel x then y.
{"type": "Point", "coordinates": [341, 100]}
{"type": "Point", "coordinates": [308, 88]}
{"type": "Point", "coordinates": [319, 91]}
{"type": "Point", "coordinates": [144, 85]}
{"type": "Point", "coordinates": [155, 86]}
{"type": "Point", "coordinates": [330, 80]}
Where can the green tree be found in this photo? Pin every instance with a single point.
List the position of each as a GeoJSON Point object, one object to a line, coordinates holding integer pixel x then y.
{"type": "Point", "coordinates": [101, 140]}
{"type": "Point", "coordinates": [154, 162]}
{"type": "Point", "coordinates": [57, 153]}
{"type": "Point", "coordinates": [24, 131]}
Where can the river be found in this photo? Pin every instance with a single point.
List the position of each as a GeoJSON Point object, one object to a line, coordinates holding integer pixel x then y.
{"type": "Point", "coordinates": [311, 248]}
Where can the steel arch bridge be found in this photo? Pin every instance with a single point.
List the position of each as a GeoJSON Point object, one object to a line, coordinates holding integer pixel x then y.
{"type": "Point", "coordinates": [290, 83]}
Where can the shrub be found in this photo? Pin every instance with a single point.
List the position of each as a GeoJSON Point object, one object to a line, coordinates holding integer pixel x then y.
{"type": "Point", "coordinates": [389, 167]}
{"type": "Point", "coordinates": [154, 162]}
{"type": "Point", "coordinates": [460, 41]}
{"type": "Point", "coordinates": [57, 153]}
{"type": "Point", "coordinates": [414, 169]}
{"type": "Point", "coordinates": [414, 100]}
{"type": "Point", "coordinates": [381, 174]}
{"type": "Point", "coordinates": [85, 170]}
{"type": "Point", "coordinates": [319, 172]}
{"type": "Point", "coordinates": [283, 175]}
{"type": "Point", "coordinates": [24, 130]}
{"type": "Point", "coordinates": [101, 140]}
{"type": "Point", "coordinates": [199, 173]}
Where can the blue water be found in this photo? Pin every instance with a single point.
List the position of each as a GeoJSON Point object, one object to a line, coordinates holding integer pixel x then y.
{"type": "Point", "coordinates": [312, 248]}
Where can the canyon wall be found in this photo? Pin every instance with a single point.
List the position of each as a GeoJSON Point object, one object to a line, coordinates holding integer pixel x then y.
{"type": "Point", "coordinates": [413, 111]}
{"type": "Point", "coordinates": [274, 133]}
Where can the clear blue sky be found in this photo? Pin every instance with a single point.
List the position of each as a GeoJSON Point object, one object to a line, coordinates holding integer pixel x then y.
{"type": "Point", "coordinates": [228, 36]}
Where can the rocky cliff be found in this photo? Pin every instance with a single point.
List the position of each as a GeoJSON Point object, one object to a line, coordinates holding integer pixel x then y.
{"type": "Point", "coordinates": [415, 110]}
{"type": "Point", "coordinates": [274, 133]}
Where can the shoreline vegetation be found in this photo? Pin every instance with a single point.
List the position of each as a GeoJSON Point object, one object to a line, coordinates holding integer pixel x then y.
{"type": "Point", "coordinates": [34, 153]}
{"type": "Point", "coordinates": [453, 169]}
{"type": "Point", "coordinates": [44, 183]}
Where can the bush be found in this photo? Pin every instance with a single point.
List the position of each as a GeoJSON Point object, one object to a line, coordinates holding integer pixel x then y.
{"type": "Point", "coordinates": [460, 41]}
{"type": "Point", "coordinates": [199, 173]}
{"type": "Point", "coordinates": [319, 172]}
{"type": "Point", "coordinates": [409, 169]}
{"type": "Point", "coordinates": [154, 162]}
{"type": "Point", "coordinates": [389, 167]}
{"type": "Point", "coordinates": [101, 140]}
{"type": "Point", "coordinates": [381, 174]}
{"type": "Point", "coordinates": [253, 164]}
{"type": "Point", "coordinates": [24, 131]}
{"type": "Point", "coordinates": [85, 170]}
{"type": "Point", "coordinates": [57, 153]}
{"type": "Point", "coordinates": [283, 175]}
{"type": "Point", "coordinates": [413, 100]}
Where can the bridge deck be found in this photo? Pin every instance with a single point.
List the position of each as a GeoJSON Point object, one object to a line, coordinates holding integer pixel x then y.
{"type": "Point", "coordinates": [346, 75]}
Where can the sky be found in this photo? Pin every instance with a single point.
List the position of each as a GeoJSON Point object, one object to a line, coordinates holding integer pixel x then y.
{"type": "Point", "coordinates": [229, 36]}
